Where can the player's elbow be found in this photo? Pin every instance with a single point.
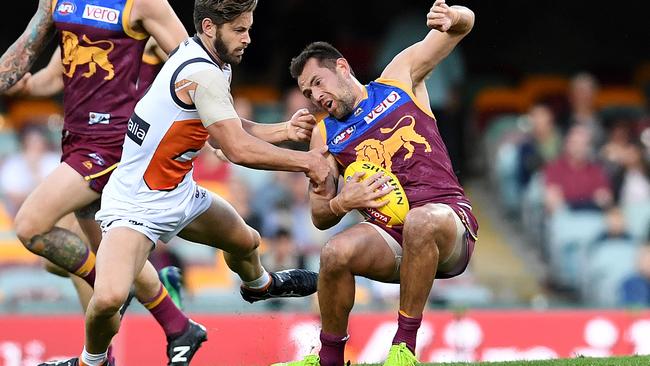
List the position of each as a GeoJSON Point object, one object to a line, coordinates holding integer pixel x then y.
{"type": "Point", "coordinates": [321, 222]}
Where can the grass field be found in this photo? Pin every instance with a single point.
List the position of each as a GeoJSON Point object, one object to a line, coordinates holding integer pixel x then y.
{"type": "Point", "coordinates": [582, 361]}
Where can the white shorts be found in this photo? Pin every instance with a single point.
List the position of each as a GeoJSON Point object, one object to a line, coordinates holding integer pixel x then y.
{"type": "Point", "coordinates": [396, 248]}
{"type": "Point", "coordinates": [155, 224]}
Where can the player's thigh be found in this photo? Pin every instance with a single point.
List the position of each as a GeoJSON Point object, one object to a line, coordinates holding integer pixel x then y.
{"type": "Point", "coordinates": [61, 192]}
{"type": "Point", "coordinates": [120, 258]}
{"type": "Point", "coordinates": [362, 250]}
{"type": "Point", "coordinates": [88, 225]}
{"type": "Point", "coordinates": [437, 224]}
{"type": "Point", "coordinates": [220, 226]}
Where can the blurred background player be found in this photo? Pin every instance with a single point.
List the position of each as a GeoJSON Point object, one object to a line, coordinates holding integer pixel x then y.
{"type": "Point", "coordinates": [388, 122]}
{"type": "Point", "coordinates": [101, 46]}
{"type": "Point", "coordinates": [48, 82]}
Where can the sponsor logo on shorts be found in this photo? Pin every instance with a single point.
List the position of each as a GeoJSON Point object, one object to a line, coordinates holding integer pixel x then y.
{"type": "Point", "coordinates": [95, 118]}
{"type": "Point", "coordinates": [376, 215]}
{"type": "Point", "coordinates": [137, 129]}
{"type": "Point", "coordinates": [382, 107]}
{"type": "Point", "coordinates": [101, 14]}
{"type": "Point", "coordinates": [97, 158]}
{"type": "Point", "coordinates": [66, 8]}
{"type": "Point", "coordinates": [344, 136]}
{"type": "Point", "coordinates": [136, 223]}
{"type": "Point", "coordinates": [88, 164]}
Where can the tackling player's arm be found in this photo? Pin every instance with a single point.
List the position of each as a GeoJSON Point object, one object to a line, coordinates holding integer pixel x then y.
{"type": "Point", "coordinates": [214, 105]}
{"type": "Point", "coordinates": [448, 24]}
{"type": "Point", "coordinates": [328, 207]}
{"type": "Point", "coordinates": [20, 56]}
{"type": "Point", "coordinates": [47, 82]}
{"type": "Point", "coordinates": [298, 128]}
{"type": "Point", "coordinates": [157, 18]}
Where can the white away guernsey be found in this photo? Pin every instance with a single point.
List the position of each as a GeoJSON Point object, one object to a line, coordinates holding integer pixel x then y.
{"type": "Point", "coordinates": [165, 134]}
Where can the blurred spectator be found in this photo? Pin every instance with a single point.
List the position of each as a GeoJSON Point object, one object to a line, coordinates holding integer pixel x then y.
{"type": "Point", "coordinates": [209, 167]}
{"type": "Point", "coordinates": [635, 182]}
{"type": "Point", "coordinates": [613, 152]}
{"type": "Point", "coordinates": [280, 254]}
{"type": "Point", "coordinates": [24, 170]}
{"type": "Point", "coordinates": [574, 180]}
{"type": "Point", "coordinates": [635, 290]}
{"type": "Point", "coordinates": [542, 144]}
{"type": "Point", "coordinates": [582, 95]}
{"type": "Point", "coordinates": [615, 227]}
{"type": "Point", "coordinates": [281, 251]}
{"type": "Point", "coordinates": [240, 199]}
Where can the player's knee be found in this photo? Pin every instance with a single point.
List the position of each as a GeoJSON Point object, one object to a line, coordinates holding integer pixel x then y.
{"type": "Point", "coordinates": [428, 220]}
{"type": "Point", "coordinates": [107, 302]}
{"type": "Point", "coordinates": [26, 228]}
{"type": "Point", "coordinates": [334, 256]}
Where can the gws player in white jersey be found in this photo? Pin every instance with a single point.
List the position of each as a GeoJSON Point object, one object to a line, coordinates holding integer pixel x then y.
{"type": "Point", "coordinates": [151, 194]}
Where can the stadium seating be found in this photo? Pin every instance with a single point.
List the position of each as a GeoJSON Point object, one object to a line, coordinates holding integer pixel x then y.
{"type": "Point", "coordinates": [605, 269]}
{"type": "Point", "coordinates": [569, 234]}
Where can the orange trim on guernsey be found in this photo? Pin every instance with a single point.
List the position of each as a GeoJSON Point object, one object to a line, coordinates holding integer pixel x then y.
{"type": "Point", "coordinates": [399, 84]}
{"type": "Point", "coordinates": [151, 59]}
{"type": "Point", "coordinates": [126, 23]}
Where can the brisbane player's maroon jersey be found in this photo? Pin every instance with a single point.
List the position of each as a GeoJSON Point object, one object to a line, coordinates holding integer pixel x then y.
{"type": "Point", "coordinates": [390, 129]}
{"type": "Point", "coordinates": [101, 57]}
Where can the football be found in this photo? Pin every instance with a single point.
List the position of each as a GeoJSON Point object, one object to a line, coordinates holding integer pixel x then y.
{"type": "Point", "coordinates": [395, 211]}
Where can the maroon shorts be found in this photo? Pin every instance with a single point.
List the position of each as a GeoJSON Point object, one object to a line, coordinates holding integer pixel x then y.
{"type": "Point", "coordinates": [93, 157]}
{"type": "Point", "coordinates": [471, 226]}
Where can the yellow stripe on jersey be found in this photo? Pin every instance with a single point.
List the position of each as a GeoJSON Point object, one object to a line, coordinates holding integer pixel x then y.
{"type": "Point", "coordinates": [323, 130]}
{"type": "Point", "coordinates": [409, 91]}
{"type": "Point", "coordinates": [126, 25]}
{"type": "Point", "coordinates": [54, 5]}
{"type": "Point", "coordinates": [151, 59]}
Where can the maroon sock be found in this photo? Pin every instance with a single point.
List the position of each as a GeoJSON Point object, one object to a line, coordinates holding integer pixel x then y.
{"type": "Point", "coordinates": [86, 268]}
{"type": "Point", "coordinates": [407, 330]}
{"type": "Point", "coordinates": [332, 349]}
{"type": "Point", "coordinates": [170, 318]}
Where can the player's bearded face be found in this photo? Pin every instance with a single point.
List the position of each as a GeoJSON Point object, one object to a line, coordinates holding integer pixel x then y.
{"type": "Point", "coordinates": [228, 54]}
{"type": "Point", "coordinates": [344, 98]}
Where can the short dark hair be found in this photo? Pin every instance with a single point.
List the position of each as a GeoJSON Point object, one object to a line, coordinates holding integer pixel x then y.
{"type": "Point", "coordinates": [324, 52]}
{"type": "Point", "coordinates": [220, 11]}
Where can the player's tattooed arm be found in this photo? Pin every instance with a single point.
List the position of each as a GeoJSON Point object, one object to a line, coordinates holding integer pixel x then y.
{"type": "Point", "coordinates": [20, 56]}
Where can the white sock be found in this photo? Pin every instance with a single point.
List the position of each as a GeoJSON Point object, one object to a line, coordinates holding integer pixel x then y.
{"type": "Point", "coordinates": [259, 283]}
{"type": "Point", "coordinates": [93, 360]}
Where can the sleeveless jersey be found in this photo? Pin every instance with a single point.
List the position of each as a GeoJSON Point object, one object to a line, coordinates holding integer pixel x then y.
{"type": "Point", "coordinates": [389, 129]}
{"type": "Point", "coordinates": [101, 58]}
{"type": "Point", "coordinates": [151, 65]}
{"type": "Point", "coordinates": [164, 136]}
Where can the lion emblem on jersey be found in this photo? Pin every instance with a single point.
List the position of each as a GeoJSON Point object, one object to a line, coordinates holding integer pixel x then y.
{"type": "Point", "coordinates": [75, 55]}
{"type": "Point", "coordinates": [382, 152]}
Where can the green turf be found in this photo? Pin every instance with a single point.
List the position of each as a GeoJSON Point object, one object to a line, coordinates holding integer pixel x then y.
{"type": "Point", "coordinates": [614, 361]}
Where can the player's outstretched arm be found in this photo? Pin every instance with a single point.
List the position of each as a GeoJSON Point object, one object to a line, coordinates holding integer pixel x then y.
{"type": "Point", "coordinates": [160, 21]}
{"type": "Point", "coordinates": [47, 82]}
{"type": "Point", "coordinates": [298, 128]}
{"type": "Point", "coordinates": [448, 24]}
{"type": "Point", "coordinates": [20, 56]}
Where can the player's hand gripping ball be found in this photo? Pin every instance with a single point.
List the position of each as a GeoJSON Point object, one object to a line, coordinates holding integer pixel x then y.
{"type": "Point", "coordinates": [395, 211]}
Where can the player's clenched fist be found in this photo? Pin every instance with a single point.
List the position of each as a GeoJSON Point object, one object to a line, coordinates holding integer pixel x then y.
{"type": "Point", "coordinates": [442, 17]}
